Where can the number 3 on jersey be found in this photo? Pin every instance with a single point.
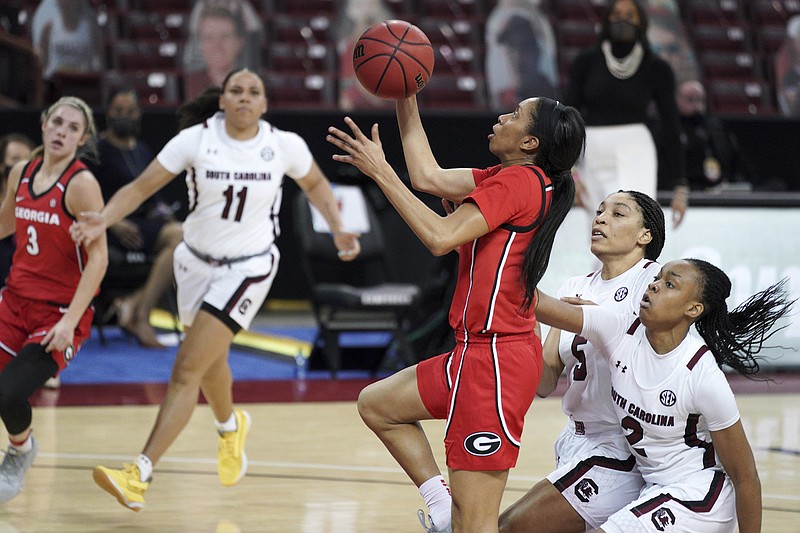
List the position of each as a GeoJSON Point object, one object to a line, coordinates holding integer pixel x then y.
{"type": "Point", "coordinates": [239, 197]}
{"type": "Point", "coordinates": [33, 241]}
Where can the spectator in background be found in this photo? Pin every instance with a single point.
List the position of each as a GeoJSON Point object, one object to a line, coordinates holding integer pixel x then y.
{"type": "Point", "coordinates": [67, 37]}
{"type": "Point", "coordinates": [614, 85]}
{"type": "Point", "coordinates": [787, 70]}
{"type": "Point", "coordinates": [151, 229]}
{"type": "Point", "coordinates": [14, 147]}
{"type": "Point", "coordinates": [15, 57]}
{"type": "Point", "coordinates": [520, 54]}
{"type": "Point", "coordinates": [713, 156]}
{"type": "Point", "coordinates": [669, 41]}
{"type": "Point", "coordinates": [354, 19]}
{"type": "Point", "coordinates": [223, 35]}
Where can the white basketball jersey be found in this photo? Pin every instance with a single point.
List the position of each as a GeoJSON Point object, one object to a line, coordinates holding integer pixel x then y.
{"type": "Point", "coordinates": [666, 404]}
{"type": "Point", "coordinates": [235, 187]}
{"type": "Point", "coordinates": [588, 398]}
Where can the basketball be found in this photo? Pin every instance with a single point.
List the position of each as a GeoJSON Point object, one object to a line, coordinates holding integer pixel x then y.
{"type": "Point", "coordinates": [393, 59]}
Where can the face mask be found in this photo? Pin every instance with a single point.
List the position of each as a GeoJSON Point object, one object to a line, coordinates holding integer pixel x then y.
{"type": "Point", "coordinates": [623, 31]}
{"type": "Point", "coordinates": [123, 127]}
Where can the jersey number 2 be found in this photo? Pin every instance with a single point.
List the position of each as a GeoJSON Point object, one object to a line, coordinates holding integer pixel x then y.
{"type": "Point", "coordinates": [230, 196]}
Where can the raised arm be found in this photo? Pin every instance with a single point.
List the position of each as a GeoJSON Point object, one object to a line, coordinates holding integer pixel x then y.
{"type": "Point", "coordinates": [737, 459]}
{"type": "Point", "coordinates": [439, 234]}
{"type": "Point", "coordinates": [423, 169]}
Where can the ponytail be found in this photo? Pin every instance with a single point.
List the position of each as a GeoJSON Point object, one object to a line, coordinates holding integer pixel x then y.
{"type": "Point", "coordinates": [562, 137]}
{"type": "Point", "coordinates": [736, 337]}
{"type": "Point", "coordinates": [200, 108]}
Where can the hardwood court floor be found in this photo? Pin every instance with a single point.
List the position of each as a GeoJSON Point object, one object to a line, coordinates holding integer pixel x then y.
{"type": "Point", "coordinates": [314, 468]}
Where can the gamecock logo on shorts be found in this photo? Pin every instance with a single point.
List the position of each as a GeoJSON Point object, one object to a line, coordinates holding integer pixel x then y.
{"type": "Point", "coordinates": [482, 444]}
{"type": "Point", "coordinates": [244, 305]}
{"type": "Point", "coordinates": [662, 518]}
{"type": "Point", "coordinates": [585, 489]}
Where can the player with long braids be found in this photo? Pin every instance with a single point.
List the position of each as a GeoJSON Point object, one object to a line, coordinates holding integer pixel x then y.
{"type": "Point", "coordinates": [672, 398]}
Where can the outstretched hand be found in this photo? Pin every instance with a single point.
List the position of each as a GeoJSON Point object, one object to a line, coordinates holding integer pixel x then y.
{"type": "Point", "coordinates": [576, 300]}
{"type": "Point", "coordinates": [362, 152]}
{"type": "Point", "coordinates": [89, 226]}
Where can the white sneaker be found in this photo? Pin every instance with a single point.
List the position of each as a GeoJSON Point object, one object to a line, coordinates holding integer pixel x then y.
{"type": "Point", "coordinates": [12, 471]}
{"type": "Point", "coordinates": [432, 527]}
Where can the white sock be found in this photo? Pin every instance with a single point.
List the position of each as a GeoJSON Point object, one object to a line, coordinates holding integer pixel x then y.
{"type": "Point", "coordinates": [437, 497]}
{"type": "Point", "coordinates": [145, 467]}
{"type": "Point", "coordinates": [24, 446]}
{"type": "Point", "coordinates": [227, 426]}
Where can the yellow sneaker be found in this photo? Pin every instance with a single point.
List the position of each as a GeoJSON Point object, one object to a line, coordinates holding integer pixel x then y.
{"type": "Point", "coordinates": [232, 461]}
{"type": "Point", "coordinates": [124, 485]}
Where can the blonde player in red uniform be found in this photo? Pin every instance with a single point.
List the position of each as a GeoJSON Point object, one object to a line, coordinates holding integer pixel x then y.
{"type": "Point", "coordinates": [503, 228]}
{"type": "Point", "coordinates": [45, 312]}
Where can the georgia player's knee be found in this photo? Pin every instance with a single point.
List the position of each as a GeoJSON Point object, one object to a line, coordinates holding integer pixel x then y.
{"type": "Point", "coordinates": [19, 379]}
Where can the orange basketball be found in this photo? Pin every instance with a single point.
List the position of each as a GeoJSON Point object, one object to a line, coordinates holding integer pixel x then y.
{"type": "Point", "coordinates": [393, 59]}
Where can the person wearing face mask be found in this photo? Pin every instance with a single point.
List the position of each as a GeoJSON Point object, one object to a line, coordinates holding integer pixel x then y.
{"type": "Point", "coordinates": [613, 85]}
{"type": "Point", "coordinates": [151, 229]}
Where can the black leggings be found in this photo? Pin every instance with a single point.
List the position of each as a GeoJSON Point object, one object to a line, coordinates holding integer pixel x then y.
{"type": "Point", "coordinates": [18, 380]}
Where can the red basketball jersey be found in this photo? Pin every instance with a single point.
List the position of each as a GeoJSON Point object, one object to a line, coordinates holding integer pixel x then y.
{"type": "Point", "coordinates": [489, 290]}
{"type": "Point", "coordinates": [47, 264]}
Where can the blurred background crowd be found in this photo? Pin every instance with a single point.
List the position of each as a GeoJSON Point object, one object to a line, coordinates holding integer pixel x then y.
{"type": "Point", "coordinates": [730, 58]}
{"type": "Point", "coordinates": [488, 52]}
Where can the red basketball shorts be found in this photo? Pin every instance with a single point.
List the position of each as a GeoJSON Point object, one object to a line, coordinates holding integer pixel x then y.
{"type": "Point", "coordinates": [483, 388]}
{"type": "Point", "coordinates": [24, 321]}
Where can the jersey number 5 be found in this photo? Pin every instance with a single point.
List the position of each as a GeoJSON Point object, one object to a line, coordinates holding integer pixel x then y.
{"type": "Point", "coordinates": [579, 371]}
{"type": "Point", "coordinates": [230, 196]}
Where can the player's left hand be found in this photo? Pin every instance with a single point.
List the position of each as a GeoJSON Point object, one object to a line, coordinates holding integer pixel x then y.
{"type": "Point", "coordinates": [59, 338]}
{"type": "Point", "coordinates": [362, 152]}
{"type": "Point", "coordinates": [348, 245]}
